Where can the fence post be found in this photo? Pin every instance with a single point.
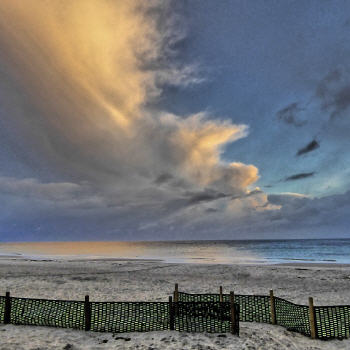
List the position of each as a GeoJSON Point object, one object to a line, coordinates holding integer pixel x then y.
{"type": "Point", "coordinates": [221, 298]}
{"type": "Point", "coordinates": [176, 293]}
{"type": "Point", "coordinates": [272, 307]}
{"type": "Point", "coordinates": [171, 314]}
{"type": "Point", "coordinates": [221, 295]}
{"type": "Point", "coordinates": [312, 318]}
{"type": "Point", "coordinates": [176, 298]}
{"type": "Point", "coordinates": [87, 311]}
{"type": "Point", "coordinates": [7, 311]}
{"type": "Point", "coordinates": [237, 311]}
{"type": "Point", "coordinates": [232, 313]}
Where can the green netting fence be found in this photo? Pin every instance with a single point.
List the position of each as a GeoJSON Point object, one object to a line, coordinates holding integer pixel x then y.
{"type": "Point", "coordinates": [292, 316]}
{"type": "Point", "coordinates": [330, 322]}
{"type": "Point", "coordinates": [120, 317]}
{"type": "Point", "coordinates": [190, 313]}
{"type": "Point", "coordinates": [2, 309]}
{"type": "Point", "coordinates": [207, 315]}
{"type": "Point", "coordinates": [41, 312]}
{"type": "Point", "coordinates": [253, 308]}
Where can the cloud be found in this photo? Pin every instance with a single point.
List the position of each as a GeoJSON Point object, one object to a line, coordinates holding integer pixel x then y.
{"type": "Point", "coordinates": [87, 102]}
{"type": "Point", "coordinates": [313, 145]}
{"type": "Point", "coordinates": [205, 196]}
{"type": "Point", "coordinates": [33, 189]}
{"type": "Point", "coordinates": [268, 186]}
{"type": "Point", "coordinates": [163, 178]}
{"type": "Point", "coordinates": [211, 210]}
{"type": "Point", "coordinates": [285, 198]}
{"type": "Point", "coordinates": [269, 216]}
{"type": "Point", "coordinates": [334, 92]}
{"type": "Point", "coordinates": [77, 209]}
{"type": "Point", "coordinates": [289, 115]}
{"type": "Point", "coordinates": [299, 176]}
{"type": "Point", "coordinates": [83, 80]}
{"type": "Point", "coordinates": [306, 214]}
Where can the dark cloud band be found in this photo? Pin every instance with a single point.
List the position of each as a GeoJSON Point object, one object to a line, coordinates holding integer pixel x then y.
{"type": "Point", "coordinates": [299, 176]}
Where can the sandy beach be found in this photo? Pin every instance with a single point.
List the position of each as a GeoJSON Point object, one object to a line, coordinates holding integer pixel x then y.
{"type": "Point", "coordinates": [128, 280]}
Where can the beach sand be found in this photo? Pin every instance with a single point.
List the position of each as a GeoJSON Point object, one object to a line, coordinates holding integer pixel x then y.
{"type": "Point", "coordinates": [127, 280]}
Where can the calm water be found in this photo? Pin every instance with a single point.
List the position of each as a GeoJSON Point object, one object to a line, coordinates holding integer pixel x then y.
{"type": "Point", "coordinates": [224, 252]}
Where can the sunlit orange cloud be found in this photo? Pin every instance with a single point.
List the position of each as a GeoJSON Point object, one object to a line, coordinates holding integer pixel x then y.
{"type": "Point", "coordinates": [82, 65]}
{"type": "Point", "coordinates": [86, 50]}
{"type": "Point", "coordinates": [200, 143]}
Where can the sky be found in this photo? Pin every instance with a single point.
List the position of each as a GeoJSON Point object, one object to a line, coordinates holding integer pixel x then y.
{"type": "Point", "coordinates": [172, 120]}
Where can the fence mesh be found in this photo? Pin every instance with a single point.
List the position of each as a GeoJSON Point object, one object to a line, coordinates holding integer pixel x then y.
{"type": "Point", "coordinates": [2, 309]}
{"type": "Point", "coordinates": [121, 317]}
{"type": "Point", "coordinates": [41, 312]}
{"type": "Point", "coordinates": [253, 308]}
{"type": "Point", "coordinates": [193, 313]}
{"type": "Point", "coordinates": [292, 316]}
{"type": "Point", "coordinates": [257, 308]}
{"type": "Point", "coordinates": [212, 317]}
{"type": "Point", "coordinates": [332, 321]}
{"type": "Point", "coordinates": [198, 297]}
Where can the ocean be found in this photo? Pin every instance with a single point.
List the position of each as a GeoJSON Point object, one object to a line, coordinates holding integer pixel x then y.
{"type": "Point", "coordinates": [207, 252]}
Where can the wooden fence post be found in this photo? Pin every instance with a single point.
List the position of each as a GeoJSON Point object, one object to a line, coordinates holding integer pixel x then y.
{"type": "Point", "coordinates": [176, 298]}
{"type": "Point", "coordinates": [221, 294]}
{"type": "Point", "coordinates": [7, 311]}
{"type": "Point", "coordinates": [312, 318]}
{"type": "Point", "coordinates": [272, 308]}
{"type": "Point", "coordinates": [171, 314]}
{"type": "Point", "coordinates": [87, 311]}
{"type": "Point", "coordinates": [232, 313]}
{"type": "Point", "coordinates": [176, 293]}
{"type": "Point", "coordinates": [221, 299]}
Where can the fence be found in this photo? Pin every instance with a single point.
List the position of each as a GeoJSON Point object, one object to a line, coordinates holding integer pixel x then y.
{"type": "Point", "coordinates": [189, 312]}
{"type": "Point", "coordinates": [322, 322]}
{"type": "Point", "coordinates": [120, 317]}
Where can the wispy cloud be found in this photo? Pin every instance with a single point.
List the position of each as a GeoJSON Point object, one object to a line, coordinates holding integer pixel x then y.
{"type": "Point", "coordinates": [334, 92]}
{"type": "Point", "coordinates": [290, 115]}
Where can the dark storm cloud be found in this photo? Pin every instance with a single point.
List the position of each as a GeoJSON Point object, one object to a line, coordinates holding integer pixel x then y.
{"type": "Point", "coordinates": [313, 145]}
{"type": "Point", "coordinates": [299, 176]}
{"type": "Point", "coordinates": [289, 115]}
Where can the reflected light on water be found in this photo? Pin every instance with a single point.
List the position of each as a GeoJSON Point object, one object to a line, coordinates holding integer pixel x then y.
{"type": "Point", "coordinates": [171, 252]}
